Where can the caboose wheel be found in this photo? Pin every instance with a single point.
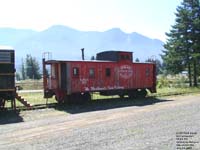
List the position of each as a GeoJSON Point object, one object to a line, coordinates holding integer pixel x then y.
{"type": "Point", "coordinates": [67, 99]}
{"type": "Point", "coordinates": [142, 93]}
{"type": "Point", "coordinates": [80, 98]}
{"type": "Point", "coordinates": [86, 97]}
{"type": "Point", "coordinates": [121, 95]}
{"type": "Point", "coordinates": [132, 94]}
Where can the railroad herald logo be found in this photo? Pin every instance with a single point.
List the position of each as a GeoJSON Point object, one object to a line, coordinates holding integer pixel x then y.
{"type": "Point", "coordinates": [125, 71]}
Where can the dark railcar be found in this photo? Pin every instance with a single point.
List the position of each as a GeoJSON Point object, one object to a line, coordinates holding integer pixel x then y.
{"type": "Point", "coordinates": [7, 75]}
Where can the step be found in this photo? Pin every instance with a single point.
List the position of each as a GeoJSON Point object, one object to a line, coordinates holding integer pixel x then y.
{"type": "Point", "coordinates": [23, 101]}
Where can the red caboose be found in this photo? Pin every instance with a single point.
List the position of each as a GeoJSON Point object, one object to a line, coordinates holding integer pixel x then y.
{"type": "Point", "coordinates": [112, 73]}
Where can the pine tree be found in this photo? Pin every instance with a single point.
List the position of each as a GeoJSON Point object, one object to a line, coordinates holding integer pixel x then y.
{"type": "Point", "coordinates": [23, 73]}
{"type": "Point", "coordinates": [17, 75]}
{"type": "Point", "coordinates": [159, 65]}
{"type": "Point", "coordinates": [137, 60]}
{"type": "Point", "coordinates": [32, 68]}
{"type": "Point", "coordinates": [194, 6]}
{"type": "Point", "coordinates": [182, 47]}
{"type": "Point", "coordinates": [92, 58]}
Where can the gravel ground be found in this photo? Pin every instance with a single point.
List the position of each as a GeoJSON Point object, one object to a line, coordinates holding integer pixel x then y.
{"type": "Point", "coordinates": [156, 126]}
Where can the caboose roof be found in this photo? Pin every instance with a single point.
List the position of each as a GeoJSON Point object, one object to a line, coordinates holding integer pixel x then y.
{"type": "Point", "coordinates": [60, 61]}
{"type": "Point", "coordinates": [82, 61]}
{"type": "Point", "coordinates": [115, 51]}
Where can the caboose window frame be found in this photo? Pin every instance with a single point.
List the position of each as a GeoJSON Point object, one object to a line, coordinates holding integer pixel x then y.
{"type": "Point", "coordinates": [108, 72]}
{"type": "Point", "coordinates": [91, 73]}
{"type": "Point", "coordinates": [53, 71]}
{"type": "Point", "coordinates": [128, 57]}
{"type": "Point", "coordinates": [147, 72]}
{"type": "Point", "coordinates": [122, 57]}
{"type": "Point", "coordinates": [75, 72]}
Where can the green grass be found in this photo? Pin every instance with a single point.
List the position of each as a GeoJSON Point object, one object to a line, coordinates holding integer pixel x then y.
{"type": "Point", "coordinates": [36, 98]}
{"type": "Point", "coordinates": [167, 91]}
{"type": "Point", "coordinates": [33, 98]}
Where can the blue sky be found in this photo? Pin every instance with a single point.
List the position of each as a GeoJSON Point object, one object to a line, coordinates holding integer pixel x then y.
{"type": "Point", "coordinates": [151, 18]}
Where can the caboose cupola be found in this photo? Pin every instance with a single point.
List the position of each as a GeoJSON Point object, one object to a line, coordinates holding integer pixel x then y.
{"type": "Point", "coordinates": [115, 56]}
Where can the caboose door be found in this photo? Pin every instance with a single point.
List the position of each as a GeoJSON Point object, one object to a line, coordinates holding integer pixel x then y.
{"type": "Point", "coordinates": [63, 76]}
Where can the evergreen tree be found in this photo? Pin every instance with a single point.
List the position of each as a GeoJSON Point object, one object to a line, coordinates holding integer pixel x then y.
{"type": "Point", "coordinates": [182, 50]}
{"type": "Point", "coordinates": [194, 6]}
{"type": "Point", "coordinates": [137, 60]}
{"type": "Point", "coordinates": [23, 73]}
{"type": "Point", "coordinates": [159, 66]}
{"type": "Point", "coordinates": [17, 75]}
{"type": "Point", "coordinates": [92, 58]}
{"type": "Point", "coordinates": [32, 68]}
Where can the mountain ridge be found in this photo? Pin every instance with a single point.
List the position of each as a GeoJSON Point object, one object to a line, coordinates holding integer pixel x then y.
{"type": "Point", "coordinates": [65, 42]}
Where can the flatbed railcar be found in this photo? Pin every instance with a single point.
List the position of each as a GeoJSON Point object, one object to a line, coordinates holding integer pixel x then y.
{"type": "Point", "coordinates": [112, 73]}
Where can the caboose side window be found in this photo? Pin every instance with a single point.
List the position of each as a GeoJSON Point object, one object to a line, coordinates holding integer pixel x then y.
{"type": "Point", "coordinates": [75, 72]}
{"type": "Point", "coordinates": [91, 72]}
{"type": "Point", "coordinates": [53, 70]}
{"type": "Point", "coordinates": [125, 57]}
{"type": "Point", "coordinates": [147, 72]}
{"type": "Point", "coordinates": [108, 72]}
{"type": "Point", "coordinates": [122, 57]}
{"type": "Point", "coordinates": [128, 57]}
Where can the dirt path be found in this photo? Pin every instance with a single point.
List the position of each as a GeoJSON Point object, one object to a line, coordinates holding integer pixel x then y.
{"type": "Point", "coordinates": [152, 126]}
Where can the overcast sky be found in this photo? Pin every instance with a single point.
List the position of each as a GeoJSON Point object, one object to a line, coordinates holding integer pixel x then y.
{"type": "Point", "coordinates": [151, 18]}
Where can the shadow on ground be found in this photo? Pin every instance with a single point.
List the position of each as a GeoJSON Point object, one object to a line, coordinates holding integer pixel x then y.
{"type": "Point", "coordinates": [104, 104]}
{"type": "Point", "coordinates": [10, 116]}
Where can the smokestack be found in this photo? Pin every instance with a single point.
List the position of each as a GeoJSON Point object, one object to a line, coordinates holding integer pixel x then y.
{"type": "Point", "coordinates": [82, 50]}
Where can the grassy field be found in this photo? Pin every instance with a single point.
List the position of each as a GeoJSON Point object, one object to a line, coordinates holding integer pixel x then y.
{"type": "Point", "coordinates": [167, 91]}
{"type": "Point", "coordinates": [30, 84]}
